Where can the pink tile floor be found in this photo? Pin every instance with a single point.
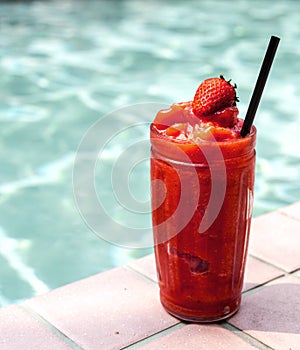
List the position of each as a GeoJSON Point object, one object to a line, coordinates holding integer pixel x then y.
{"type": "Point", "coordinates": [120, 308]}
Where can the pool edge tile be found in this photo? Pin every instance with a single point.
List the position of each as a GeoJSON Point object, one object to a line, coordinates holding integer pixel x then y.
{"type": "Point", "coordinates": [271, 314]}
{"type": "Point", "coordinates": [199, 337]}
{"type": "Point", "coordinates": [145, 266]}
{"type": "Point", "coordinates": [274, 239]}
{"type": "Point", "coordinates": [19, 329]}
{"type": "Point", "coordinates": [113, 310]}
{"type": "Point", "coordinates": [292, 210]}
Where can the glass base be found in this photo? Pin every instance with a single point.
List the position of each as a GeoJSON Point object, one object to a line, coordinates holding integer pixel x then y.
{"type": "Point", "coordinates": [201, 317]}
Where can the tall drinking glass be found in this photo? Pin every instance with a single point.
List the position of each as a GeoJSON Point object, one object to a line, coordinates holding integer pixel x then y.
{"type": "Point", "coordinates": [202, 196]}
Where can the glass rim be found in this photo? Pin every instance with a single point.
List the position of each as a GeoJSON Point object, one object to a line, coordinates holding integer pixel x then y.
{"type": "Point", "coordinates": [203, 142]}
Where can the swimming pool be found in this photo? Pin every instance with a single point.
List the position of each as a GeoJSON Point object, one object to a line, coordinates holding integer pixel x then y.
{"type": "Point", "coordinates": [64, 65]}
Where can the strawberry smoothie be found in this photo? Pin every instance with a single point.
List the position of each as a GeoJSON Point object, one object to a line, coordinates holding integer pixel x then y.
{"type": "Point", "coordinates": [202, 179]}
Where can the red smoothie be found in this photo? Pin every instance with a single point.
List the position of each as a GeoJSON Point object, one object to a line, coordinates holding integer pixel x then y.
{"type": "Point", "coordinates": [202, 179]}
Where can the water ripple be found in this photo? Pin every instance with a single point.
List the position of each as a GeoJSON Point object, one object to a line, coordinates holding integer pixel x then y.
{"type": "Point", "coordinates": [65, 64]}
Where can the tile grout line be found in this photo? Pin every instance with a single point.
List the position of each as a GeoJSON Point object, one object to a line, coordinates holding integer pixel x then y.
{"type": "Point", "coordinates": [41, 320]}
{"type": "Point", "coordinates": [268, 263]}
{"type": "Point", "coordinates": [282, 212]}
{"type": "Point", "coordinates": [154, 336]}
{"type": "Point", "coordinates": [139, 274]}
{"type": "Point", "coordinates": [263, 285]}
{"type": "Point", "coordinates": [159, 334]}
{"type": "Point", "coordinates": [246, 337]}
{"type": "Point", "coordinates": [239, 332]}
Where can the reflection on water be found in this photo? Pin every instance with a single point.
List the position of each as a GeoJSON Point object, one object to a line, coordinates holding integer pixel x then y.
{"type": "Point", "coordinates": [65, 64]}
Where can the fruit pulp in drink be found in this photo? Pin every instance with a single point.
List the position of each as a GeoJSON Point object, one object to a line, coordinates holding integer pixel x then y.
{"type": "Point", "coordinates": [202, 178]}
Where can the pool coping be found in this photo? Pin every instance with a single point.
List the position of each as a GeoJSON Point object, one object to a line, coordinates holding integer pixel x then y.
{"type": "Point", "coordinates": [120, 308]}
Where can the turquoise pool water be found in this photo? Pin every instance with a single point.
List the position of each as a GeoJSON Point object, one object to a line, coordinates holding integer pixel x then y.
{"type": "Point", "coordinates": [66, 64]}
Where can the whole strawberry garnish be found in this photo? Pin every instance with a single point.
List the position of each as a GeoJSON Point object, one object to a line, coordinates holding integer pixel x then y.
{"type": "Point", "coordinates": [213, 95]}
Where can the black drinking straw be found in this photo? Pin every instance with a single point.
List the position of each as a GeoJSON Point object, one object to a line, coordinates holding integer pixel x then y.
{"type": "Point", "coordinates": [260, 84]}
